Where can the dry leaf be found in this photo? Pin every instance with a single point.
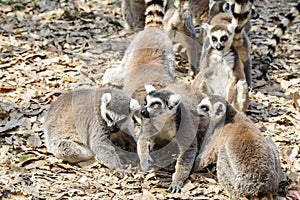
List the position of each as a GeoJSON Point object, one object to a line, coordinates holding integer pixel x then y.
{"type": "Point", "coordinates": [5, 89]}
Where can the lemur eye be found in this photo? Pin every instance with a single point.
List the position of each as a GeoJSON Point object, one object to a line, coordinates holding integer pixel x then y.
{"type": "Point", "coordinates": [156, 105]}
{"type": "Point", "coordinates": [214, 39]}
{"type": "Point", "coordinates": [108, 117]}
{"type": "Point", "coordinates": [145, 102]}
{"type": "Point", "coordinates": [204, 108]}
{"type": "Point", "coordinates": [224, 38]}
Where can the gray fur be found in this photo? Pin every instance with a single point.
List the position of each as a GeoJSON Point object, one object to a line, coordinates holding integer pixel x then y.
{"type": "Point", "coordinates": [241, 40]}
{"type": "Point", "coordinates": [177, 23]}
{"type": "Point", "coordinates": [77, 127]}
{"type": "Point", "coordinates": [248, 164]}
{"type": "Point", "coordinates": [221, 71]}
{"type": "Point", "coordinates": [133, 14]}
{"type": "Point", "coordinates": [169, 130]}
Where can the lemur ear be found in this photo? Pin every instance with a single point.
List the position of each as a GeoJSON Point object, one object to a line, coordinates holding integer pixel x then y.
{"type": "Point", "coordinates": [219, 110]}
{"type": "Point", "coordinates": [173, 100]}
{"type": "Point", "coordinates": [254, 14]}
{"type": "Point", "coordinates": [211, 3]}
{"type": "Point", "coordinates": [149, 88]}
{"type": "Point", "coordinates": [134, 105]}
{"type": "Point", "coordinates": [226, 7]}
{"type": "Point", "coordinates": [206, 27]}
{"type": "Point", "coordinates": [106, 97]}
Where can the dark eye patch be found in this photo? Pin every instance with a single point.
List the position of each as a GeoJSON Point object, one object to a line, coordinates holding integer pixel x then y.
{"type": "Point", "coordinates": [108, 117]}
{"type": "Point", "coordinates": [224, 38]}
{"type": "Point", "coordinates": [213, 38]}
{"type": "Point", "coordinates": [205, 108]}
{"type": "Point", "coordinates": [156, 105]}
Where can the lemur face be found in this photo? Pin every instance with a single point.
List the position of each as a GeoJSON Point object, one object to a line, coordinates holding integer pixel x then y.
{"type": "Point", "coordinates": [219, 39]}
{"type": "Point", "coordinates": [113, 116]}
{"type": "Point", "coordinates": [220, 36]}
{"type": "Point", "coordinates": [158, 102]}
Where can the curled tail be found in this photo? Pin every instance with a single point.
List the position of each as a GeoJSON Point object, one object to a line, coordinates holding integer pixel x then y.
{"type": "Point", "coordinates": [154, 13]}
{"type": "Point", "coordinates": [279, 31]}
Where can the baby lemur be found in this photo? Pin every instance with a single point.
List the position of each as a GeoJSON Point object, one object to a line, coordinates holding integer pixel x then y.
{"type": "Point", "coordinates": [88, 123]}
{"type": "Point", "coordinates": [248, 164]}
{"type": "Point", "coordinates": [221, 70]}
{"type": "Point", "coordinates": [168, 132]}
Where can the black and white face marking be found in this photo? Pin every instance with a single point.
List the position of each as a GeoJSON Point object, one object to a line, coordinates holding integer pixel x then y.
{"type": "Point", "coordinates": [203, 108]}
{"type": "Point", "coordinates": [115, 120]}
{"type": "Point", "coordinates": [219, 39]}
{"type": "Point", "coordinates": [215, 111]}
{"type": "Point", "coordinates": [154, 105]}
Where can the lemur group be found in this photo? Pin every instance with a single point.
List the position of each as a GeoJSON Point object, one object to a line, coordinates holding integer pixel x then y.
{"type": "Point", "coordinates": [144, 118]}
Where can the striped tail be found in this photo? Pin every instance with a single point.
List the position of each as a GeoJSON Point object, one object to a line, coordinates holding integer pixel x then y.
{"type": "Point", "coordinates": [280, 30]}
{"type": "Point", "coordinates": [154, 13]}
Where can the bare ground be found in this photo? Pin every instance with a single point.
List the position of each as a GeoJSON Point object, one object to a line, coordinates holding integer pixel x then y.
{"type": "Point", "coordinates": [48, 47]}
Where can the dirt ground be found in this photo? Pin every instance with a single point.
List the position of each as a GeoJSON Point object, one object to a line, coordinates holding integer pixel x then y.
{"type": "Point", "coordinates": [49, 47]}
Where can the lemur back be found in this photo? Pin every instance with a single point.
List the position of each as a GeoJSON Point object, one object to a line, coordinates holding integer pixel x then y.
{"type": "Point", "coordinates": [149, 57]}
{"type": "Point", "coordinates": [80, 124]}
{"type": "Point", "coordinates": [221, 70]}
{"type": "Point", "coordinates": [233, 138]}
{"type": "Point", "coordinates": [177, 22]}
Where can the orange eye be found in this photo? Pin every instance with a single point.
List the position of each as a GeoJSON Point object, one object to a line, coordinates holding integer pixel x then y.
{"type": "Point", "coordinates": [205, 108]}
{"type": "Point", "coordinates": [224, 38]}
{"type": "Point", "coordinates": [155, 105]}
{"type": "Point", "coordinates": [214, 39]}
{"type": "Point", "coordinates": [145, 102]}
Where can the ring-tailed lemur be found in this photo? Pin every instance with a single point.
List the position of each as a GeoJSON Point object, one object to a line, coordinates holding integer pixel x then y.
{"type": "Point", "coordinates": [177, 22]}
{"type": "Point", "coordinates": [279, 31]}
{"type": "Point", "coordinates": [248, 164]}
{"type": "Point", "coordinates": [169, 132]}
{"type": "Point", "coordinates": [80, 124]}
{"type": "Point", "coordinates": [221, 70]}
{"type": "Point", "coordinates": [149, 57]}
{"type": "Point", "coordinates": [242, 12]}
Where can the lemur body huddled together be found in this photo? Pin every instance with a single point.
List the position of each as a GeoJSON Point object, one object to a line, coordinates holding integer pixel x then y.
{"type": "Point", "coordinates": [144, 118]}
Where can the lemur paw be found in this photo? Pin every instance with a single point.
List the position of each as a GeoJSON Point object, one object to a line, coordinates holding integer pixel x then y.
{"type": "Point", "coordinates": [146, 163]}
{"type": "Point", "coordinates": [174, 189]}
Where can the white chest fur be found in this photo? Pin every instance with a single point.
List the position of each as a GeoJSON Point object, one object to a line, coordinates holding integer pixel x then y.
{"type": "Point", "coordinates": [219, 74]}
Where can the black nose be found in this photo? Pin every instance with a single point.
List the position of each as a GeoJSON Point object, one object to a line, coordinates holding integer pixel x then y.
{"type": "Point", "coordinates": [145, 113]}
{"type": "Point", "coordinates": [114, 128]}
{"type": "Point", "coordinates": [220, 47]}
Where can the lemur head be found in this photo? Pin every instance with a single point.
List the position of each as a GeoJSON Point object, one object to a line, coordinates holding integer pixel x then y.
{"type": "Point", "coordinates": [220, 36]}
{"type": "Point", "coordinates": [116, 109]}
{"type": "Point", "coordinates": [216, 108]}
{"type": "Point", "coordinates": [158, 102]}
